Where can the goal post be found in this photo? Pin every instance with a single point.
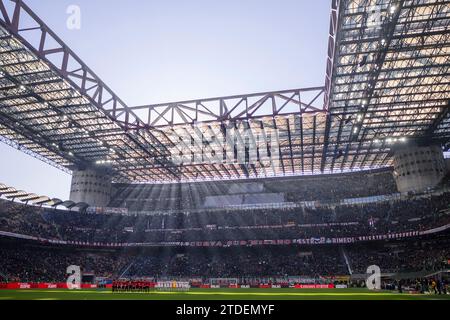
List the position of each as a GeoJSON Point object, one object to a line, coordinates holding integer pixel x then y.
{"type": "Point", "coordinates": [168, 286]}
{"type": "Point", "coordinates": [223, 282]}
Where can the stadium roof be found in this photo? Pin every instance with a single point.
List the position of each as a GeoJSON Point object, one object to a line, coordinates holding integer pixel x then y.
{"type": "Point", "coordinates": [387, 82]}
{"type": "Point", "coordinates": [13, 194]}
{"type": "Point", "coordinates": [387, 78]}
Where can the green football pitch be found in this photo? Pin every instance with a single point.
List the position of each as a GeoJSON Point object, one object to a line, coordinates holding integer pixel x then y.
{"type": "Point", "coordinates": [218, 294]}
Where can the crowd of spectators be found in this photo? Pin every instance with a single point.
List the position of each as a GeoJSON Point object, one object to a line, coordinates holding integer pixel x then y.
{"type": "Point", "coordinates": [295, 189]}
{"type": "Point", "coordinates": [401, 257]}
{"type": "Point", "coordinates": [49, 264]}
{"type": "Point", "coordinates": [241, 263]}
{"type": "Point", "coordinates": [415, 214]}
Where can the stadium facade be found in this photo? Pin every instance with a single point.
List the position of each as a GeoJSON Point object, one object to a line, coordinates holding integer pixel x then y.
{"type": "Point", "coordinates": [313, 182]}
{"type": "Point", "coordinates": [386, 90]}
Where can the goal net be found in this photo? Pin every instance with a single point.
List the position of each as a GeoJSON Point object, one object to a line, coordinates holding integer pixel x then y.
{"type": "Point", "coordinates": [172, 286]}
{"type": "Point", "coordinates": [223, 282]}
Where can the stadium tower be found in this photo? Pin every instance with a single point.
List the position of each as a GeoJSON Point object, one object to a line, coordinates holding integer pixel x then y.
{"type": "Point", "coordinates": [91, 186]}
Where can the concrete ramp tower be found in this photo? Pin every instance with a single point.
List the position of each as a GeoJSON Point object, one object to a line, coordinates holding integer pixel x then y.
{"type": "Point", "coordinates": [91, 187]}
{"type": "Point", "coordinates": [417, 168]}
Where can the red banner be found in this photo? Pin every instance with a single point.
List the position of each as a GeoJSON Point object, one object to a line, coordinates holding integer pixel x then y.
{"type": "Point", "coordinates": [307, 241]}
{"type": "Point", "coordinates": [18, 285]}
{"type": "Point", "coordinates": [43, 285]}
{"type": "Point", "coordinates": [47, 286]}
{"type": "Point", "coordinates": [26, 285]}
{"type": "Point", "coordinates": [314, 286]}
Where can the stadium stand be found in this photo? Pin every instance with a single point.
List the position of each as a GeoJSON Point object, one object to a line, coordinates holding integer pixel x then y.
{"type": "Point", "coordinates": [38, 241]}
{"type": "Point", "coordinates": [257, 224]}
{"type": "Point", "coordinates": [44, 264]}
{"type": "Point", "coordinates": [156, 197]}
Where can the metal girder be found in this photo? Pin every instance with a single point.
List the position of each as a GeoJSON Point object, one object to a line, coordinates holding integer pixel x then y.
{"type": "Point", "coordinates": [64, 76]}
{"type": "Point", "coordinates": [233, 108]}
{"type": "Point", "coordinates": [385, 81]}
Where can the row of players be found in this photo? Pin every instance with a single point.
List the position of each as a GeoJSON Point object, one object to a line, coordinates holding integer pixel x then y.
{"type": "Point", "coordinates": [132, 286]}
{"type": "Point", "coordinates": [420, 285]}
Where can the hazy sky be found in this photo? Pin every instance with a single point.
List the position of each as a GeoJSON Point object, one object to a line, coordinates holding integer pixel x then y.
{"type": "Point", "coordinates": [167, 50]}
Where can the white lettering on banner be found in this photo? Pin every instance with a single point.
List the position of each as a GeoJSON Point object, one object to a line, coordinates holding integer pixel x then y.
{"type": "Point", "coordinates": [313, 241]}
